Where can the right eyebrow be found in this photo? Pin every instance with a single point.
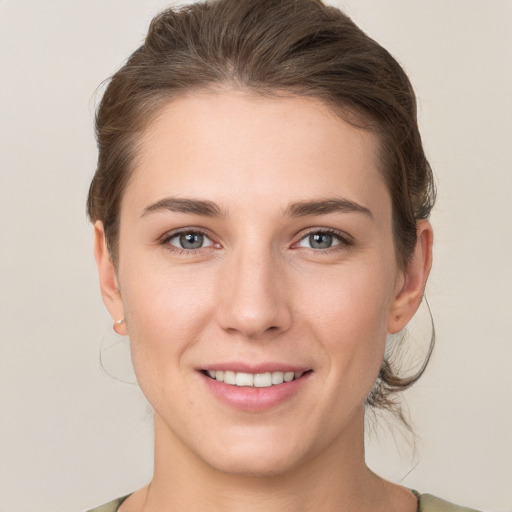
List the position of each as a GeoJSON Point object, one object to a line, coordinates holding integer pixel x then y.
{"type": "Point", "coordinates": [325, 207]}
{"type": "Point", "coordinates": [193, 206]}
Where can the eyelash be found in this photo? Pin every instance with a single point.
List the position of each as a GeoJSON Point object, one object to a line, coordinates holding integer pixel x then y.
{"type": "Point", "coordinates": [165, 241]}
{"type": "Point", "coordinates": [344, 241]}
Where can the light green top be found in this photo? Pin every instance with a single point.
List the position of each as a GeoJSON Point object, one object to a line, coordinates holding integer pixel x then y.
{"type": "Point", "coordinates": [426, 503]}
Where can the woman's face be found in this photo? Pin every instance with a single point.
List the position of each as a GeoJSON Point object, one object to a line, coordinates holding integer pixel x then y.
{"type": "Point", "coordinates": [255, 246]}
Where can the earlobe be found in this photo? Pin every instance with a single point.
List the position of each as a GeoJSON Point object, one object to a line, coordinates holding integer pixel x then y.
{"type": "Point", "coordinates": [414, 279]}
{"type": "Point", "coordinates": [108, 278]}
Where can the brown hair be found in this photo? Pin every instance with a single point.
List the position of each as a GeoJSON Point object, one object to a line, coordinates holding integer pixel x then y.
{"type": "Point", "coordinates": [295, 47]}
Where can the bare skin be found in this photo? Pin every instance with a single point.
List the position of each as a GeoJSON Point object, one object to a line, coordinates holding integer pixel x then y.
{"type": "Point", "coordinates": [257, 233]}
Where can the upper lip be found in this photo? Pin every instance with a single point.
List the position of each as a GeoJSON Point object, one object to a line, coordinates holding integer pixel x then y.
{"type": "Point", "coordinates": [238, 366]}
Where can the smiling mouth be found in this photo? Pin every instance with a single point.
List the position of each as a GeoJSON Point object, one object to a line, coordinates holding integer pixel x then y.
{"type": "Point", "coordinates": [253, 380]}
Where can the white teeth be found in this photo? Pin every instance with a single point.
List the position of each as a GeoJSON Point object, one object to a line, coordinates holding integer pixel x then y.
{"type": "Point", "coordinates": [244, 379]}
{"type": "Point", "coordinates": [257, 380]}
{"type": "Point", "coordinates": [263, 380]}
{"type": "Point", "coordinates": [277, 377]}
{"type": "Point", "coordinates": [230, 377]}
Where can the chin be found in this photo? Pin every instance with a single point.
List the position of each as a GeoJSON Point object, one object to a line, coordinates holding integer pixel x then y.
{"type": "Point", "coordinates": [255, 467]}
{"type": "Point", "coordinates": [251, 458]}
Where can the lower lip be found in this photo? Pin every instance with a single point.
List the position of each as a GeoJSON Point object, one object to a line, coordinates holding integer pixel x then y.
{"type": "Point", "coordinates": [253, 399]}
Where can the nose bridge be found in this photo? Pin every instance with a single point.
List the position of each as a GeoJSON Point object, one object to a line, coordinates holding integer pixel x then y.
{"type": "Point", "coordinates": [253, 296]}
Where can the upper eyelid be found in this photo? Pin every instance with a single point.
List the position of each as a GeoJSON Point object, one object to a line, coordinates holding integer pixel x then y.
{"type": "Point", "coordinates": [179, 231]}
{"type": "Point", "coordinates": [343, 235]}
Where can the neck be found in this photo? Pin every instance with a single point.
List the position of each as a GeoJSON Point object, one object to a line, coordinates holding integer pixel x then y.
{"type": "Point", "coordinates": [335, 479]}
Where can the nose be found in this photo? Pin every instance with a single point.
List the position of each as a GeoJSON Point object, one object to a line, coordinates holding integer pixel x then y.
{"type": "Point", "coordinates": [254, 296]}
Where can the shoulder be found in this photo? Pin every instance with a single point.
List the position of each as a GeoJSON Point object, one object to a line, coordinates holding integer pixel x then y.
{"type": "Point", "coordinates": [111, 506]}
{"type": "Point", "coordinates": [429, 503]}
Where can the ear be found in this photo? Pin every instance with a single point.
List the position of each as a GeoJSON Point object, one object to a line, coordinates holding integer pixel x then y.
{"type": "Point", "coordinates": [411, 285]}
{"type": "Point", "coordinates": [108, 279]}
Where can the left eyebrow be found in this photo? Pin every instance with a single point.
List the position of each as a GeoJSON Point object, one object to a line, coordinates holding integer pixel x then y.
{"type": "Point", "coordinates": [324, 207]}
{"type": "Point", "coordinates": [185, 205]}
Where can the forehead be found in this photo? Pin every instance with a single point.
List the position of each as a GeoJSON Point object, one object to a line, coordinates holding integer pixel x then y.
{"type": "Point", "coordinates": [273, 150]}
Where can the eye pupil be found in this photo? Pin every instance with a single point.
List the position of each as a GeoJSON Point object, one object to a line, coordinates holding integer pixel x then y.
{"type": "Point", "coordinates": [320, 240]}
{"type": "Point", "coordinates": [191, 240]}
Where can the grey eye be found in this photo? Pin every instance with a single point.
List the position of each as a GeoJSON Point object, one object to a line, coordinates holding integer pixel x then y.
{"type": "Point", "coordinates": [319, 240]}
{"type": "Point", "coordinates": [190, 241]}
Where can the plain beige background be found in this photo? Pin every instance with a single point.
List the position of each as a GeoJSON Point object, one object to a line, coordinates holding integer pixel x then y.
{"type": "Point", "coordinates": [70, 436]}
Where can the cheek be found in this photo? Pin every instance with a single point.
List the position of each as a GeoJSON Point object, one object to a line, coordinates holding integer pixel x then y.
{"type": "Point", "coordinates": [160, 298]}
{"type": "Point", "coordinates": [165, 314]}
{"type": "Point", "coordinates": [350, 312]}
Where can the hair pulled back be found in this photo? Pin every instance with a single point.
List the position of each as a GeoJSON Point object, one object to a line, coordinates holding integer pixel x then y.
{"type": "Point", "coordinates": [269, 47]}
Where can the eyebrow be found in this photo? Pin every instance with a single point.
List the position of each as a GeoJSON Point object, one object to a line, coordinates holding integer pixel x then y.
{"type": "Point", "coordinates": [296, 209]}
{"type": "Point", "coordinates": [194, 206]}
{"type": "Point", "coordinates": [326, 206]}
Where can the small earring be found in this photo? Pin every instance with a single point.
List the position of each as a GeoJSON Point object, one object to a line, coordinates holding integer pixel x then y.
{"type": "Point", "coordinates": [117, 323]}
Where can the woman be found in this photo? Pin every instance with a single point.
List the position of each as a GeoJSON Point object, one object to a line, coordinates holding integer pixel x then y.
{"type": "Point", "coordinates": [261, 211]}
